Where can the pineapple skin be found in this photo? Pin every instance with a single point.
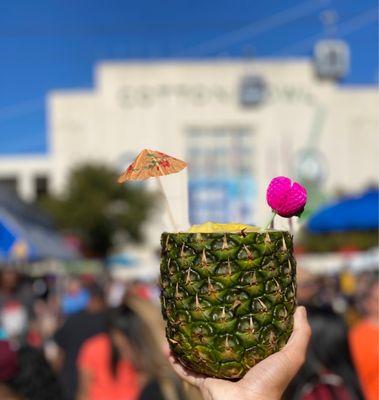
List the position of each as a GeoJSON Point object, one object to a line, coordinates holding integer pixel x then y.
{"type": "Point", "coordinates": [228, 299]}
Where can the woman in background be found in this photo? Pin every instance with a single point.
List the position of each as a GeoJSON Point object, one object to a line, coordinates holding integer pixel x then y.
{"type": "Point", "coordinates": [125, 363]}
{"type": "Point", "coordinates": [364, 341]}
{"type": "Point", "coordinates": [328, 373]}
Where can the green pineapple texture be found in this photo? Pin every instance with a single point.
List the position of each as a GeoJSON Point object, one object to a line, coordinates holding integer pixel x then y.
{"type": "Point", "coordinates": [228, 298]}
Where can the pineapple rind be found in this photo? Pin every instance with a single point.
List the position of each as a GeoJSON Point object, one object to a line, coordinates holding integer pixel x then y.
{"type": "Point", "coordinates": [228, 298]}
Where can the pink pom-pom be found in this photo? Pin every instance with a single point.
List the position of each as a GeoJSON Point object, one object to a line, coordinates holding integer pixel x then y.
{"type": "Point", "coordinates": [286, 198]}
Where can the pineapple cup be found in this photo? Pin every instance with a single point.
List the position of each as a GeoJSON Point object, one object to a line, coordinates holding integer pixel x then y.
{"type": "Point", "coordinates": [228, 298]}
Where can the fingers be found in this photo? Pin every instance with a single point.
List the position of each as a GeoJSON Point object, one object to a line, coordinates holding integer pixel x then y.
{"type": "Point", "coordinates": [277, 370]}
{"type": "Point", "coordinates": [165, 349]}
{"type": "Point", "coordinates": [185, 374]}
{"type": "Point", "coordinates": [271, 376]}
{"type": "Point", "coordinates": [296, 348]}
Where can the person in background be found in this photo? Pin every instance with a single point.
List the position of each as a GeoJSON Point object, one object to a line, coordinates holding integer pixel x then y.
{"type": "Point", "coordinates": [46, 317]}
{"type": "Point", "coordinates": [16, 305]}
{"type": "Point", "coordinates": [125, 363]}
{"type": "Point", "coordinates": [115, 292]}
{"type": "Point", "coordinates": [308, 287]}
{"type": "Point", "coordinates": [364, 342]}
{"type": "Point", "coordinates": [328, 372]}
{"type": "Point", "coordinates": [25, 374]}
{"type": "Point", "coordinates": [8, 369]}
{"type": "Point", "coordinates": [75, 297]}
{"type": "Point", "coordinates": [70, 337]}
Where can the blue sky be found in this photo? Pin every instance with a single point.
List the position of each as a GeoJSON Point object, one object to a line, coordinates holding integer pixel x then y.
{"type": "Point", "coordinates": [53, 44]}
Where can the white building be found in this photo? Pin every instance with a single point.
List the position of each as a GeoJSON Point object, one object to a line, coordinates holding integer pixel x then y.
{"type": "Point", "coordinates": [237, 126]}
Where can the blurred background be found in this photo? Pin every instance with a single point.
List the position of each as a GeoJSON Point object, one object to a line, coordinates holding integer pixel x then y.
{"type": "Point", "coordinates": [243, 91]}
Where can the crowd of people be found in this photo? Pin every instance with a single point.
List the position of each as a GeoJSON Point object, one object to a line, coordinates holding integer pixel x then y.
{"type": "Point", "coordinates": [343, 355]}
{"type": "Point", "coordinates": [83, 338]}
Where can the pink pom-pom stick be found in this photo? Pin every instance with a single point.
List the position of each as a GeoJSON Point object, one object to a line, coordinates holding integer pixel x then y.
{"type": "Point", "coordinates": [290, 223]}
{"type": "Point", "coordinates": [270, 224]}
{"type": "Point", "coordinates": [285, 197]}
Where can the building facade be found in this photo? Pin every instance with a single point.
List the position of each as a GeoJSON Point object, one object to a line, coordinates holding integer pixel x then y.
{"type": "Point", "coordinates": [237, 124]}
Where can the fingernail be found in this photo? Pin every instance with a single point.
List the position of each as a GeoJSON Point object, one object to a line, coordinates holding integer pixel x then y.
{"type": "Point", "coordinates": [303, 311]}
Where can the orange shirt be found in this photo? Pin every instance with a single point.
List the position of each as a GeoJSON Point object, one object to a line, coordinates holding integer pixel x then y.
{"type": "Point", "coordinates": [364, 344]}
{"type": "Point", "coordinates": [94, 357]}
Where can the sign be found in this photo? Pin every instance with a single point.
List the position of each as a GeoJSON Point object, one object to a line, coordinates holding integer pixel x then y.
{"type": "Point", "coordinates": [223, 200]}
{"type": "Point", "coordinates": [222, 187]}
{"type": "Point", "coordinates": [246, 92]}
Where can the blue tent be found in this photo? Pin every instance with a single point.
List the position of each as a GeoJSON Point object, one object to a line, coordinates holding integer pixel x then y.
{"type": "Point", "coordinates": [349, 214]}
{"type": "Point", "coordinates": [26, 233]}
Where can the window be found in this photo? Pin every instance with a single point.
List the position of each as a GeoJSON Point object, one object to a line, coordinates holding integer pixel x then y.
{"type": "Point", "coordinates": [41, 186]}
{"type": "Point", "coordinates": [221, 174]}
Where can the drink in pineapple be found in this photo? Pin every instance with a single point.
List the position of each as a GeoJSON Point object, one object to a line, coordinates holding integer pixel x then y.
{"type": "Point", "coordinates": [227, 291]}
{"type": "Point", "coordinates": [228, 296]}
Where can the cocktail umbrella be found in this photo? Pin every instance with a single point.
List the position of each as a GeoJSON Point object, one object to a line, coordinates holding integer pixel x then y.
{"type": "Point", "coordinates": [153, 164]}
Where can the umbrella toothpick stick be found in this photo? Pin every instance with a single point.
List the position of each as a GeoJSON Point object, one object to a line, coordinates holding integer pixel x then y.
{"type": "Point", "coordinates": [168, 208]}
{"type": "Point", "coordinates": [153, 164]}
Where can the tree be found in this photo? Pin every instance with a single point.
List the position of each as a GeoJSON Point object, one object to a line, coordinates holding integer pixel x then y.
{"type": "Point", "coordinates": [99, 210]}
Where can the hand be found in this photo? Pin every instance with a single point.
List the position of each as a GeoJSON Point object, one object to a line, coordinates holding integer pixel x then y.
{"type": "Point", "coordinates": [265, 381]}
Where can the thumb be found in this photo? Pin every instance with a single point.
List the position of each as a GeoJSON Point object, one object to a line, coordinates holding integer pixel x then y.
{"type": "Point", "coordinates": [271, 376]}
{"type": "Point", "coordinates": [296, 348]}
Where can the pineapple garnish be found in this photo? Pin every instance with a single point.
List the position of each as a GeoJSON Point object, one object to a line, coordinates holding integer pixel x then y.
{"type": "Point", "coordinates": [213, 227]}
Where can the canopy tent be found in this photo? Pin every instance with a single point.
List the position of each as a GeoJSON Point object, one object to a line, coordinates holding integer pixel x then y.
{"type": "Point", "coordinates": [358, 213]}
{"type": "Point", "coordinates": [26, 233]}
